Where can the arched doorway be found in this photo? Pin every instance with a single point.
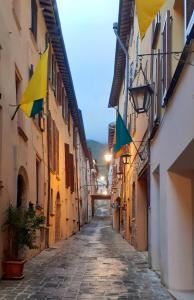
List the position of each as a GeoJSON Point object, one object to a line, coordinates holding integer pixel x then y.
{"type": "Point", "coordinates": [22, 188]}
{"type": "Point", "coordinates": [58, 218]}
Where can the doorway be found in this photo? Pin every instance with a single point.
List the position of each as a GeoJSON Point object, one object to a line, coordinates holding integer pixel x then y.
{"type": "Point", "coordinates": [22, 189]}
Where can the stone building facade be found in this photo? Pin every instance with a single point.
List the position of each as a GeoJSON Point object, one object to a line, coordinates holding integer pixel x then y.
{"type": "Point", "coordinates": [157, 185]}
{"type": "Point", "coordinates": [38, 156]}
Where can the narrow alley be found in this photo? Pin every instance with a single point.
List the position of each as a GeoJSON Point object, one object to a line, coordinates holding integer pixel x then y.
{"type": "Point", "coordinates": [93, 264]}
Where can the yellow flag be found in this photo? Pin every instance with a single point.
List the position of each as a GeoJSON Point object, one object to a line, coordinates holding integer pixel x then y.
{"type": "Point", "coordinates": [146, 12]}
{"type": "Point", "coordinates": [36, 90]}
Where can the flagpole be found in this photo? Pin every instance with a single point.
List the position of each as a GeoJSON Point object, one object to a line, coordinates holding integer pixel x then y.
{"type": "Point", "coordinates": [137, 150]}
{"type": "Point", "coordinates": [17, 108]}
{"type": "Point", "coordinates": [125, 50]}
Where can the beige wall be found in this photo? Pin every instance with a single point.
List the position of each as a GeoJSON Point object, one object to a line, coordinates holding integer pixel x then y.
{"type": "Point", "coordinates": [17, 52]}
{"type": "Point", "coordinates": [172, 176]}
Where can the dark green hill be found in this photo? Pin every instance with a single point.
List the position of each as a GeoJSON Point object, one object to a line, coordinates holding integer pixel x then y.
{"type": "Point", "coordinates": [98, 150]}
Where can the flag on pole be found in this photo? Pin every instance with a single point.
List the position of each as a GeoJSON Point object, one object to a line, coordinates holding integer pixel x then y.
{"type": "Point", "coordinates": [146, 12]}
{"type": "Point", "coordinates": [123, 137]}
{"type": "Point", "coordinates": [36, 90]}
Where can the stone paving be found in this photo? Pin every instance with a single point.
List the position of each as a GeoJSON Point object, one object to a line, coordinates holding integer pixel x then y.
{"type": "Point", "coordinates": [95, 264]}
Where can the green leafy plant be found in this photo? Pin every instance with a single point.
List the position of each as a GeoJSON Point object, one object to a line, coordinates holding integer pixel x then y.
{"type": "Point", "coordinates": [22, 225]}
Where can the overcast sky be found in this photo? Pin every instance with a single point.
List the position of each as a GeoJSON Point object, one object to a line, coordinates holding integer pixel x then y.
{"type": "Point", "coordinates": [90, 45]}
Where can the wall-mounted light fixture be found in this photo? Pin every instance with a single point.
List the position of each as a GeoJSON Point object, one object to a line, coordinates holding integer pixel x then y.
{"type": "Point", "coordinates": [141, 97]}
{"type": "Point", "coordinates": [126, 159]}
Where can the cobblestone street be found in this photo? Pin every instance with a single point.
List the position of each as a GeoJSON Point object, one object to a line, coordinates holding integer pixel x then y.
{"type": "Point", "coordinates": [94, 264]}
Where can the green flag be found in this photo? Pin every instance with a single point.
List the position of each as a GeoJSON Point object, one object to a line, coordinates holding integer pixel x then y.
{"type": "Point", "coordinates": [122, 136]}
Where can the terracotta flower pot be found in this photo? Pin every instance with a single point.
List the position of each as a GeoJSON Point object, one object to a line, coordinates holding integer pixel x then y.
{"type": "Point", "coordinates": [13, 269]}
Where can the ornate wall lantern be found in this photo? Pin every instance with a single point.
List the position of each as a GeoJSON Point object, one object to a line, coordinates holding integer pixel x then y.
{"type": "Point", "coordinates": [141, 97]}
{"type": "Point", "coordinates": [126, 159]}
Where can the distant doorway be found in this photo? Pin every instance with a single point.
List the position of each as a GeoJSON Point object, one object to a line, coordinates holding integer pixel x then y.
{"type": "Point", "coordinates": [58, 218]}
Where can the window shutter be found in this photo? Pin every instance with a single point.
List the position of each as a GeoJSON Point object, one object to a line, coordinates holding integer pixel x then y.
{"type": "Point", "coordinates": [34, 18]}
{"type": "Point", "coordinates": [158, 88]}
{"type": "Point", "coordinates": [31, 71]}
{"type": "Point", "coordinates": [54, 147]}
{"type": "Point", "coordinates": [168, 46]}
{"type": "Point", "coordinates": [53, 73]}
{"type": "Point", "coordinates": [63, 102]}
{"type": "Point", "coordinates": [56, 150]}
{"type": "Point", "coordinates": [189, 10]}
{"type": "Point", "coordinates": [71, 172]}
{"type": "Point", "coordinates": [166, 58]}
{"type": "Point", "coordinates": [74, 136]}
{"type": "Point", "coordinates": [69, 123]}
{"type": "Point", "coordinates": [67, 165]}
{"type": "Point", "coordinates": [66, 109]}
{"type": "Point", "coordinates": [59, 88]}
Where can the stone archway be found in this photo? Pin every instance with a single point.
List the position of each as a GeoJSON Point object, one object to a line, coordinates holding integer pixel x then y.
{"type": "Point", "coordinates": [22, 188]}
{"type": "Point", "coordinates": [57, 218]}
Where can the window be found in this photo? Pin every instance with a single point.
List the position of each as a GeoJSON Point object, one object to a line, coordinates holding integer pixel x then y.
{"type": "Point", "coordinates": [166, 58]}
{"type": "Point", "coordinates": [67, 179]}
{"type": "Point", "coordinates": [74, 136]}
{"type": "Point", "coordinates": [133, 200]}
{"type": "Point", "coordinates": [189, 8]}
{"type": "Point", "coordinates": [157, 100]}
{"type": "Point", "coordinates": [54, 146]}
{"type": "Point", "coordinates": [137, 51]}
{"type": "Point", "coordinates": [189, 19]}
{"type": "Point", "coordinates": [63, 102]}
{"type": "Point", "coordinates": [34, 18]}
{"type": "Point", "coordinates": [131, 73]}
{"type": "Point", "coordinates": [37, 181]}
{"type": "Point", "coordinates": [31, 71]}
{"type": "Point", "coordinates": [66, 108]}
{"type": "Point", "coordinates": [156, 30]}
{"type": "Point", "coordinates": [51, 202]}
{"type": "Point", "coordinates": [59, 88]}
{"type": "Point", "coordinates": [56, 149]}
{"type": "Point", "coordinates": [53, 78]}
{"type": "Point", "coordinates": [69, 123]}
{"type": "Point", "coordinates": [46, 40]}
{"type": "Point", "coordinates": [71, 171]}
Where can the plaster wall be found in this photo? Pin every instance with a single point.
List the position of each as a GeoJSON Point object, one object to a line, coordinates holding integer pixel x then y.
{"type": "Point", "coordinates": [172, 151]}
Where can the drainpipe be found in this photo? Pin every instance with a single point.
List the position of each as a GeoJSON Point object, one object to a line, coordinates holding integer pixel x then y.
{"type": "Point", "coordinates": [115, 28]}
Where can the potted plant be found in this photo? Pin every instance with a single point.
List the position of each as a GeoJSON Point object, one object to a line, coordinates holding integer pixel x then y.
{"type": "Point", "coordinates": [21, 225]}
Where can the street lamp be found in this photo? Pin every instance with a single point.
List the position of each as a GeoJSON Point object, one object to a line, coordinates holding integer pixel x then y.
{"type": "Point", "coordinates": [102, 178]}
{"type": "Point", "coordinates": [141, 97]}
{"type": "Point", "coordinates": [126, 159]}
{"type": "Point", "coordinates": [108, 157]}
{"type": "Point", "coordinates": [105, 193]}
